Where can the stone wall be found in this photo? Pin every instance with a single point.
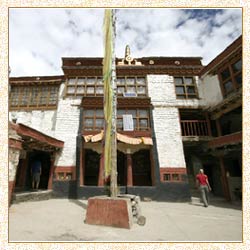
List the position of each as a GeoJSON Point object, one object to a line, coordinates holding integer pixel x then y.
{"type": "Point", "coordinates": [15, 147]}
{"type": "Point", "coordinates": [67, 126]}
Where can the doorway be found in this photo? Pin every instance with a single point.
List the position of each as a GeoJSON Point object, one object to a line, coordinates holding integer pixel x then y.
{"type": "Point", "coordinates": [44, 158]}
{"type": "Point", "coordinates": [141, 168]}
{"type": "Point", "coordinates": [121, 169]}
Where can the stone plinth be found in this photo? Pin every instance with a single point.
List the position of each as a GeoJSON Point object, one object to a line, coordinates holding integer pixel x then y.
{"type": "Point", "coordinates": [115, 212]}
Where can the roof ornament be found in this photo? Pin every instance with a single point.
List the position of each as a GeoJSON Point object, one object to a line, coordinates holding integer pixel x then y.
{"type": "Point", "coordinates": [128, 59]}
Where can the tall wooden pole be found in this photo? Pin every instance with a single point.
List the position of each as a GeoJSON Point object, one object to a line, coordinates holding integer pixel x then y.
{"type": "Point", "coordinates": [113, 177]}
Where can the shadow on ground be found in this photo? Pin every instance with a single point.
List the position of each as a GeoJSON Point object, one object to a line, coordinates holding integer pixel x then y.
{"type": "Point", "coordinates": [79, 203]}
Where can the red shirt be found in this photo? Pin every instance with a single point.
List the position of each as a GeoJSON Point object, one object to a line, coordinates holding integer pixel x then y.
{"type": "Point", "coordinates": [202, 178]}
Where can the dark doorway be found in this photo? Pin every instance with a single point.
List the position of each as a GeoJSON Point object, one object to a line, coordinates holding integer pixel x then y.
{"type": "Point", "coordinates": [141, 168]}
{"type": "Point", "coordinates": [121, 169]}
{"type": "Point", "coordinates": [44, 157]}
{"type": "Point", "coordinates": [92, 162]}
{"type": "Point", "coordinates": [208, 170]}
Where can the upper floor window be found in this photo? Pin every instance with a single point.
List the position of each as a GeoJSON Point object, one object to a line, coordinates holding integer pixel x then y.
{"type": "Point", "coordinates": [93, 119]}
{"type": "Point", "coordinates": [34, 97]}
{"type": "Point", "coordinates": [185, 87]}
{"type": "Point", "coordinates": [132, 85]}
{"type": "Point", "coordinates": [231, 77]}
{"type": "Point", "coordinates": [93, 86]}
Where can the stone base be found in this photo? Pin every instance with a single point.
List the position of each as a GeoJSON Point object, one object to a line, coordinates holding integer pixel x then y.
{"type": "Point", "coordinates": [114, 212]}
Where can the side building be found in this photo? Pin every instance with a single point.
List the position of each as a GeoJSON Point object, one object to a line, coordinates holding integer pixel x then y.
{"type": "Point", "coordinates": [167, 123]}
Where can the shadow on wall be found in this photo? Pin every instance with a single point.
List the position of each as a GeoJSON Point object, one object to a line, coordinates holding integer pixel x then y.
{"type": "Point", "coordinates": [65, 189]}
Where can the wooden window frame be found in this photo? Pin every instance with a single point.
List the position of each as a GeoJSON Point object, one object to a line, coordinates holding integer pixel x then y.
{"type": "Point", "coordinates": [95, 85]}
{"type": "Point", "coordinates": [186, 95]}
{"type": "Point", "coordinates": [24, 96]}
{"type": "Point", "coordinates": [138, 117]}
{"type": "Point", "coordinates": [232, 77]}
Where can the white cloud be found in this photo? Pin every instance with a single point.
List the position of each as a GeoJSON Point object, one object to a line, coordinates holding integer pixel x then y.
{"type": "Point", "coordinates": [40, 37]}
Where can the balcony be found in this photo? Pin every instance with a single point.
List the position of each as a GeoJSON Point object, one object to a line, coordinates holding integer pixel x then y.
{"type": "Point", "coordinates": [195, 128]}
{"type": "Point", "coordinates": [231, 139]}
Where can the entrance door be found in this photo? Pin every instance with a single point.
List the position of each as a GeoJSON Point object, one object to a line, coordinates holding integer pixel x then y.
{"type": "Point", "coordinates": [92, 163]}
{"type": "Point", "coordinates": [44, 157]}
{"type": "Point", "coordinates": [141, 168]}
{"type": "Point", "coordinates": [121, 169]}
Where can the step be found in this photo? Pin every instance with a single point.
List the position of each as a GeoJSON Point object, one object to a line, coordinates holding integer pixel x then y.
{"type": "Point", "coordinates": [36, 195]}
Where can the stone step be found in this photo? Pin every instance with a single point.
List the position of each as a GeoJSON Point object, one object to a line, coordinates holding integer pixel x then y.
{"type": "Point", "coordinates": [32, 196]}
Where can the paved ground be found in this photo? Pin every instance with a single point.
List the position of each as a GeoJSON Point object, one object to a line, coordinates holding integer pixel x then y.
{"type": "Point", "coordinates": [62, 220]}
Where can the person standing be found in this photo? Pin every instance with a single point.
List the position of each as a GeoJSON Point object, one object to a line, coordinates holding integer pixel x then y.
{"type": "Point", "coordinates": [36, 171]}
{"type": "Point", "coordinates": [203, 184]}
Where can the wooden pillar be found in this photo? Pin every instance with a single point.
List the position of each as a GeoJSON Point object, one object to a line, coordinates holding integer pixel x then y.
{"type": "Point", "coordinates": [153, 177]}
{"type": "Point", "coordinates": [218, 127]}
{"type": "Point", "coordinates": [129, 171]}
{"type": "Point", "coordinates": [101, 170]}
{"type": "Point", "coordinates": [208, 124]}
{"type": "Point", "coordinates": [81, 170]}
{"type": "Point", "coordinates": [51, 172]}
{"type": "Point", "coordinates": [224, 179]}
{"type": "Point", "coordinates": [23, 171]}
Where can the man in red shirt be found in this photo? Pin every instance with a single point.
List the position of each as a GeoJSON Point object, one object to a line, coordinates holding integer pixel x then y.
{"type": "Point", "coordinates": [203, 184]}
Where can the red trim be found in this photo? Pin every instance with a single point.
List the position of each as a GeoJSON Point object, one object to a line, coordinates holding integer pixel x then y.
{"type": "Point", "coordinates": [129, 171]}
{"type": "Point", "coordinates": [35, 79]}
{"type": "Point", "coordinates": [14, 143]}
{"type": "Point", "coordinates": [65, 170]}
{"type": "Point", "coordinates": [24, 130]}
{"type": "Point", "coordinates": [171, 171]}
{"type": "Point", "coordinates": [11, 188]}
{"type": "Point", "coordinates": [235, 138]}
{"type": "Point", "coordinates": [101, 170]}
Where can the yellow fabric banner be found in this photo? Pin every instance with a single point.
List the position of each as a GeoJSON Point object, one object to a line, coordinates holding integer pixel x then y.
{"type": "Point", "coordinates": [108, 93]}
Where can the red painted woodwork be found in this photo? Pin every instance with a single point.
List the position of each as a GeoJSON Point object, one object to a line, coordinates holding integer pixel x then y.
{"type": "Point", "coordinates": [13, 143]}
{"type": "Point", "coordinates": [65, 170]}
{"type": "Point", "coordinates": [234, 138]}
{"type": "Point", "coordinates": [129, 171]}
{"type": "Point", "coordinates": [171, 172]}
{"type": "Point", "coordinates": [195, 128]}
{"type": "Point", "coordinates": [11, 188]}
{"type": "Point", "coordinates": [101, 171]}
{"type": "Point", "coordinates": [24, 130]}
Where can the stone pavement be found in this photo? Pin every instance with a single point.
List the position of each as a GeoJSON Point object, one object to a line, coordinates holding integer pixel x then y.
{"type": "Point", "coordinates": [63, 220]}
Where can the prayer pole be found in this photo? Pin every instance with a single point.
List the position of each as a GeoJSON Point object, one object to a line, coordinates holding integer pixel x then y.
{"type": "Point", "coordinates": [113, 179]}
{"type": "Point", "coordinates": [110, 101]}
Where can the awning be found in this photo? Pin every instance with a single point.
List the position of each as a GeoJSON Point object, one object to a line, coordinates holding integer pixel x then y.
{"type": "Point", "coordinates": [120, 137]}
{"type": "Point", "coordinates": [34, 139]}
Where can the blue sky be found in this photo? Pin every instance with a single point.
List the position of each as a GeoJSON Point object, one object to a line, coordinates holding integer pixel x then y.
{"type": "Point", "coordinates": [38, 38]}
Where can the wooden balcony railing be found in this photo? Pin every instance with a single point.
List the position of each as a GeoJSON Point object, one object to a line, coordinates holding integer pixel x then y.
{"type": "Point", "coordinates": [194, 128]}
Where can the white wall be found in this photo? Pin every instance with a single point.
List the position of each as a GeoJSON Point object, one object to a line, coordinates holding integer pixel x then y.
{"type": "Point", "coordinates": [43, 121]}
{"type": "Point", "coordinates": [210, 86]}
{"type": "Point", "coordinates": [168, 137]}
{"type": "Point", "coordinates": [167, 129]}
{"type": "Point", "coordinates": [67, 126]}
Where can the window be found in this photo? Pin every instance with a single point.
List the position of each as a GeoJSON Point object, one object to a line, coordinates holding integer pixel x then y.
{"type": "Point", "coordinates": [93, 119]}
{"type": "Point", "coordinates": [231, 77]}
{"type": "Point", "coordinates": [136, 85]}
{"type": "Point", "coordinates": [93, 86]}
{"type": "Point", "coordinates": [84, 86]}
{"type": "Point", "coordinates": [166, 177]}
{"type": "Point", "coordinates": [185, 88]}
{"type": "Point", "coordinates": [140, 118]}
{"type": "Point", "coordinates": [34, 96]}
